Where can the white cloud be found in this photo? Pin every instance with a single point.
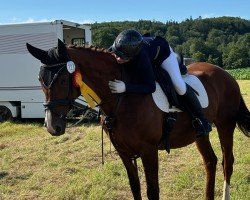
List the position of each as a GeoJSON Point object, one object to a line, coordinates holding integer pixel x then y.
{"type": "Point", "coordinates": [31, 20]}
{"type": "Point", "coordinates": [210, 15]}
{"type": "Point", "coordinates": [88, 21]}
{"type": "Point", "coordinates": [16, 20]}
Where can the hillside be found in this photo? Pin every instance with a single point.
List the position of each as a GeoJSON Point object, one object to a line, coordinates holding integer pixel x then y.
{"type": "Point", "coordinates": [224, 41]}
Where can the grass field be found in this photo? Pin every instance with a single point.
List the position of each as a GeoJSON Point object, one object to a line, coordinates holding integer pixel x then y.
{"type": "Point", "coordinates": [35, 165]}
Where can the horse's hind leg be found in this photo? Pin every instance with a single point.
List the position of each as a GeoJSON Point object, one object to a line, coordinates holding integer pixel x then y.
{"type": "Point", "coordinates": [210, 160]}
{"type": "Point", "coordinates": [226, 140]}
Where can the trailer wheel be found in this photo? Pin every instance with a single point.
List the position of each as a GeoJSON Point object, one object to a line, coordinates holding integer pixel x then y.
{"type": "Point", "coordinates": [5, 114]}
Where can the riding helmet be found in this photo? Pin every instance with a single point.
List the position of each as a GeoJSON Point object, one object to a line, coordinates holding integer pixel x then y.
{"type": "Point", "coordinates": [127, 44]}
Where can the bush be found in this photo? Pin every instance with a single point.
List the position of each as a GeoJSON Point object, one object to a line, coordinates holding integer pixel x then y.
{"type": "Point", "coordinates": [240, 74]}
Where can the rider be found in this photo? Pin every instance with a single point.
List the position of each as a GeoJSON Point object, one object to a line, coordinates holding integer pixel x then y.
{"type": "Point", "coordinates": [142, 53]}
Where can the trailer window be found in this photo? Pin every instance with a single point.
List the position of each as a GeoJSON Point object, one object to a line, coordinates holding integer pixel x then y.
{"type": "Point", "coordinates": [78, 41]}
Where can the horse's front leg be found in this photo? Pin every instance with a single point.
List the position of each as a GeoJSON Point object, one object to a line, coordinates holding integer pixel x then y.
{"type": "Point", "coordinates": [149, 157]}
{"type": "Point", "coordinates": [133, 176]}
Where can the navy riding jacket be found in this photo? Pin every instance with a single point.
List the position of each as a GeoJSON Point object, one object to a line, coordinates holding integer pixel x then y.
{"type": "Point", "coordinates": [139, 71]}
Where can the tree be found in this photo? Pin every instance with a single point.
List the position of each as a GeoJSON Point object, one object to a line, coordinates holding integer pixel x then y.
{"type": "Point", "coordinates": [174, 41]}
{"type": "Point", "coordinates": [237, 57]}
{"type": "Point", "coordinates": [105, 37]}
{"type": "Point", "coordinates": [217, 37]}
{"type": "Point", "coordinates": [199, 57]}
{"type": "Point", "coordinates": [224, 41]}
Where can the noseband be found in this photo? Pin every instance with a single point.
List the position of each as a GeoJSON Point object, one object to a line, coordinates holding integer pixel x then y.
{"type": "Point", "coordinates": [50, 105]}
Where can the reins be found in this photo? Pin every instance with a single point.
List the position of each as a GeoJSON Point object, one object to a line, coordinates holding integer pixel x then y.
{"type": "Point", "coordinates": [109, 122]}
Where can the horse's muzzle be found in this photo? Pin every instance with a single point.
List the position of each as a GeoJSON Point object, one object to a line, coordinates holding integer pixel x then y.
{"type": "Point", "coordinates": [56, 131]}
{"type": "Point", "coordinates": [55, 125]}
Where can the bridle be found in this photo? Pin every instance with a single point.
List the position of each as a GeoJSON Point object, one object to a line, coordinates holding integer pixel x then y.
{"type": "Point", "coordinates": [52, 104]}
{"type": "Point", "coordinates": [109, 119]}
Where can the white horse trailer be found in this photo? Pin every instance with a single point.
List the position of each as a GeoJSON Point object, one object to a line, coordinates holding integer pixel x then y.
{"type": "Point", "coordinates": [20, 91]}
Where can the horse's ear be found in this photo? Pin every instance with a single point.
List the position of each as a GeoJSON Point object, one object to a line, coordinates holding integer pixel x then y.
{"type": "Point", "coordinates": [62, 51]}
{"type": "Point", "coordinates": [37, 53]}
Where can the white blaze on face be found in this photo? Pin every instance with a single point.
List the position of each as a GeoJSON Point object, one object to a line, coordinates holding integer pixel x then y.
{"type": "Point", "coordinates": [226, 191]}
{"type": "Point", "coordinates": [46, 118]}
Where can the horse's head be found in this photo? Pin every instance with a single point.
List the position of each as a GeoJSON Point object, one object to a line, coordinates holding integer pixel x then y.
{"type": "Point", "coordinates": [55, 77]}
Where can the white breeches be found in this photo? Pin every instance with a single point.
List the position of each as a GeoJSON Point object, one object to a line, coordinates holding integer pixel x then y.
{"type": "Point", "coordinates": [172, 67]}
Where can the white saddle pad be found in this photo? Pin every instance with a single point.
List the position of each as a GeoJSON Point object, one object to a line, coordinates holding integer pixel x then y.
{"type": "Point", "coordinates": [161, 100]}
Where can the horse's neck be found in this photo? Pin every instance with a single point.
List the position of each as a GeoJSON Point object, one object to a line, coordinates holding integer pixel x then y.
{"type": "Point", "coordinates": [102, 71]}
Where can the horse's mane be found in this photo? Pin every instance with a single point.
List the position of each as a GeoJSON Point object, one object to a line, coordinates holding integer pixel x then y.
{"type": "Point", "coordinates": [101, 53]}
{"type": "Point", "coordinates": [90, 48]}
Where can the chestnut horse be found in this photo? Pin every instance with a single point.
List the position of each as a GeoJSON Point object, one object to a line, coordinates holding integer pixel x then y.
{"type": "Point", "coordinates": [139, 122]}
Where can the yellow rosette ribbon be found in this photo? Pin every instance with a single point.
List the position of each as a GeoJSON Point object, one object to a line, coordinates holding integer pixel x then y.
{"type": "Point", "coordinates": [88, 94]}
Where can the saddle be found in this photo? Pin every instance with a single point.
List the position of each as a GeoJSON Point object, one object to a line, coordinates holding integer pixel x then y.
{"type": "Point", "coordinates": [167, 99]}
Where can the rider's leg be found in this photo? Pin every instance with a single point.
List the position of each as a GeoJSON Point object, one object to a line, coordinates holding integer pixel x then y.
{"type": "Point", "coordinates": [199, 121]}
{"type": "Point", "coordinates": [187, 94]}
{"type": "Point", "coordinates": [172, 67]}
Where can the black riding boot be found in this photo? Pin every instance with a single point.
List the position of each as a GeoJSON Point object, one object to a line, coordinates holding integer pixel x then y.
{"type": "Point", "coordinates": [193, 106]}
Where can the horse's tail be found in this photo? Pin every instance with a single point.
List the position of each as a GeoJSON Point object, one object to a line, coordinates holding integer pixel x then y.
{"type": "Point", "coordinates": [243, 118]}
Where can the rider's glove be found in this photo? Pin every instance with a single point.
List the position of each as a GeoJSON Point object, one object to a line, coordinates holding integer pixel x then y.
{"type": "Point", "coordinates": [117, 86]}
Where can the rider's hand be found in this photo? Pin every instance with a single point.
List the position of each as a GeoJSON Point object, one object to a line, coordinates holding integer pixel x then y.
{"type": "Point", "coordinates": [117, 86]}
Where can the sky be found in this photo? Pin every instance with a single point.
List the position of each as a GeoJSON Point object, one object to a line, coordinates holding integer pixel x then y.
{"type": "Point", "coordinates": [91, 11]}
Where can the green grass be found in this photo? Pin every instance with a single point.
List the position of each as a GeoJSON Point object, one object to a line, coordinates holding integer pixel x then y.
{"type": "Point", "coordinates": [35, 165]}
{"type": "Point", "coordinates": [240, 74]}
